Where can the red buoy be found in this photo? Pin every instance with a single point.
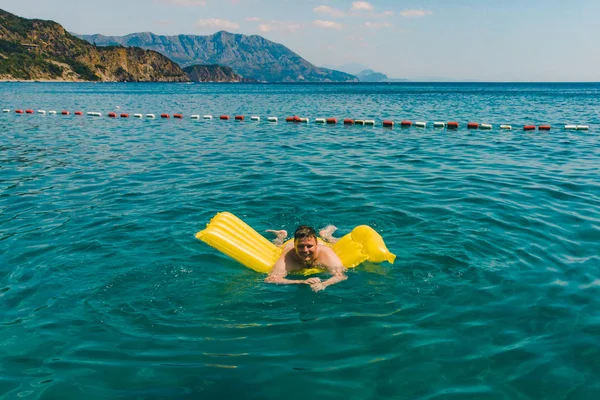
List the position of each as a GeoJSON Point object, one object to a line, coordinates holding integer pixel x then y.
{"type": "Point", "coordinates": [124, 115]}
{"type": "Point", "coordinates": [178, 116]}
{"type": "Point", "coordinates": [331, 121]}
{"type": "Point", "coordinates": [239, 117]}
{"type": "Point", "coordinates": [112, 115]}
{"type": "Point", "coordinates": [348, 121]}
{"type": "Point", "coordinates": [529, 128]}
{"type": "Point", "coordinates": [544, 127]}
{"type": "Point", "coordinates": [405, 124]}
{"type": "Point", "coordinates": [472, 125]}
{"type": "Point", "coordinates": [388, 123]}
{"type": "Point", "coordinates": [165, 116]}
{"type": "Point", "coordinates": [78, 113]}
{"type": "Point", "coordinates": [29, 111]}
{"type": "Point", "coordinates": [65, 113]}
{"type": "Point", "coordinates": [19, 111]}
{"type": "Point", "coordinates": [452, 125]}
{"type": "Point", "coordinates": [224, 117]}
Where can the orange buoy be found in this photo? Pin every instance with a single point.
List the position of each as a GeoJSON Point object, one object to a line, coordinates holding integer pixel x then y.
{"type": "Point", "coordinates": [529, 128]}
{"type": "Point", "coordinates": [78, 113]}
{"type": "Point", "coordinates": [405, 124]}
{"type": "Point", "coordinates": [65, 113]}
{"type": "Point", "coordinates": [331, 121]}
{"type": "Point", "coordinates": [112, 115]}
{"type": "Point", "coordinates": [544, 127]}
{"type": "Point", "coordinates": [239, 117]}
{"type": "Point", "coordinates": [19, 111]}
{"type": "Point", "coordinates": [452, 125]}
{"type": "Point", "coordinates": [224, 117]}
{"type": "Point", "coordinates": [297, 118]}
{"type": "Point", "coordinates": [178, 116]}
{"type": "Point", "coordinates": [289, 119]}
{"type": "Point", "coordinates": [388, 123]}
{"type": "Point", "coordinates": [472, 125]}
{"type": "Point", "coordinates": [348, 121]}
{"type": "Point", "coordinates": [29, 111]}
{"type": "Point", "coordinates": [124, 115]}
{"type": "Point", "coordinates": [165, 116]}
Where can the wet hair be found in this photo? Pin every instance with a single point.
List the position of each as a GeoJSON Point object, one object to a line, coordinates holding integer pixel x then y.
{"type": "Point", "coordinates": [303, 232]}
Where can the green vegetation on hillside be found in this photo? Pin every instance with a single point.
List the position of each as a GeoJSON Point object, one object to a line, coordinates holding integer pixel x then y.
{"type": "Point", "coordinates": [17, 61]}
{"type": "Point", "coordinates": [35, 49]}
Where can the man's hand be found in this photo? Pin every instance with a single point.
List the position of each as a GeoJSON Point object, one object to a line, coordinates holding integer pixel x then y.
{"type": "Point", "coordinates": [317, 286]}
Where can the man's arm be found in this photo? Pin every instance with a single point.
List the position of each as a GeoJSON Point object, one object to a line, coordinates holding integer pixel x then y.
{"type": "Point", "coordinates": [334, 265]}
{"type": "Point", "coordinates": [279, 272]}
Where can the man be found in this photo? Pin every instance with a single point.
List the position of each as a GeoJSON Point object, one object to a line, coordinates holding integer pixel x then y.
{"type": "Point", "coordinates": [307, 252]}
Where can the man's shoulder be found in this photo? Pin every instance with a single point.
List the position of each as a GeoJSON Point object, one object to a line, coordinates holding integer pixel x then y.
{"type": "Point", "coordinates": [327, 253]}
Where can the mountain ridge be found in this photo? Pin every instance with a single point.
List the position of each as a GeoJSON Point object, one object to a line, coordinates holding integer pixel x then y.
{"type": "Point", "coordinates": [251, 56]}
{"type": "Point", "coordinates": [35, 49]}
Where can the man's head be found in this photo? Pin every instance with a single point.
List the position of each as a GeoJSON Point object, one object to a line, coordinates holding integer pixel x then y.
{"type": "Point", "coordinates": [305, 244]}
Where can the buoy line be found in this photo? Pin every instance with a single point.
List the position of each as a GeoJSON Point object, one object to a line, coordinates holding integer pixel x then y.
{"type": "Point", "coordinates": [387, 123]}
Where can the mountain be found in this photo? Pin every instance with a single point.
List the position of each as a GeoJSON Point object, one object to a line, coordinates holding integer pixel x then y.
{"type": "Point", "coordinates": [250, 56]}
{"type": "Point", "coordinates": [213, 73]}
{"type": "Point", "coordinates": [368, 75]}
{"type": "Point", "coordinates": [34, 49]}
{"type": "Point", "coordinates": [352, 68]}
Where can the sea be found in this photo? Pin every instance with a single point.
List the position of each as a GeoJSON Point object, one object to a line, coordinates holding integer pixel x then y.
{"type": "Point", "coordinates": [105, 293]}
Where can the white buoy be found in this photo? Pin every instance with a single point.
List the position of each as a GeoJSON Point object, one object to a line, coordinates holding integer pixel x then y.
{"type": "Point", "coordinates": [320, 120]}
{"type": "Point", "coordinates": [485, 126]}
{"type": "Point", "coordinates": [138, 116]}
{"type": "Point", "coordinates": [272, 119]}
{"type": "Point", "coordinates": [569, 127]}
{"type": "Point", "coordinates": [507, 127]}
{"type": "Point", "coordinates": [305, 120]}
{"type": "Point", "coordinates": [439, 124]}
{"type": "Point", "coordinates": [582, 127]}
{"type": "Point", "coordinates": [370, 122]}
{"type": "Point", "coordinates": [195, 116]}
{"type": "Point", "coordinates": [151, 116]}
{"type": "Point", "coordinates": [94, 114]}
{"type": "Point", "coordinates": [41, 111]}
{"type": "Point", "coordinates": [118, 107]}
{"type": "Point", "coordinates": [254, 118]}
{"type": "Point", "coordinates": [420, 124]}
{"type": "Point", "coordinates": [207, 117]}
{"type": "Point", "coordinates": [5, 110]}
{"type": "Point", "coordinates": [52, 112]}
{"type": "Point", "coordinates": [359, 122]}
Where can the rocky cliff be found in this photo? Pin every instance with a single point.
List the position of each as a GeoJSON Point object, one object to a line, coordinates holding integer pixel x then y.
{"type": "Point", "coordinates": [213, 73]}
{"type": "Point", "coordinates": [249, 56]}
{"type": "Point", "coordinates": [35, 49]}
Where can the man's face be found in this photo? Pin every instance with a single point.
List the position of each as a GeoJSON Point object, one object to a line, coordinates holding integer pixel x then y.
{"type": "Point", "coordinates": [306, 249]}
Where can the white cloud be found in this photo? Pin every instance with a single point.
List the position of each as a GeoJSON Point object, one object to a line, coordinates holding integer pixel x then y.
{"type": "Point", "coordinates": [253, 19]}
{"type": "Point", "coordinates": [279, 26]}
{"type": "Point", "coordinates": [186, 3]}
{"type": "Point", "coordinates": [377, 25]}
{"type": "Point", "coordinates": [361, 6]}
{"type": "Point", "coordinates": [415, 13]}
{"type": "Point", "coordinates": [218, 23]}
{"type": "Point", "coordinates": [327, 24]}
{"type": "Point", "coordinates": [334, 12]}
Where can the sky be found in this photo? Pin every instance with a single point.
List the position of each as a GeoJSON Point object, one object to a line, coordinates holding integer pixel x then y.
{"type": "Point", "coordinates": [447, 40]}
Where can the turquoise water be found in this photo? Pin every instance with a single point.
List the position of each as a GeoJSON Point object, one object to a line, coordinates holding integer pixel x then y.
{"type": "Point", "coordinates": [105, 292]}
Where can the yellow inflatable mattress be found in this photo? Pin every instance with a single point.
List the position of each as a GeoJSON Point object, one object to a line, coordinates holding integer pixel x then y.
{"type": "Point", "coordinates": [233, 237]}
